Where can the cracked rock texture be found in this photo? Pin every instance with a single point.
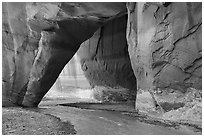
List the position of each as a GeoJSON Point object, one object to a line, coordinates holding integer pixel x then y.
{"type": "Point", "coordinates": [40, 38]}
{"type": "Point", "coordinates": [165, 44]}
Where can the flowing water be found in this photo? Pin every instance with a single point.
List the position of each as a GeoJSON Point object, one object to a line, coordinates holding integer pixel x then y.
{"type": "Point", "coordinates": [102, 122]}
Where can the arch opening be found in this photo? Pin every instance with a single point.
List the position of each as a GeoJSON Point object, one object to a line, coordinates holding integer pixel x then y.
{"type": "Point", "coordinates": [101, 68]}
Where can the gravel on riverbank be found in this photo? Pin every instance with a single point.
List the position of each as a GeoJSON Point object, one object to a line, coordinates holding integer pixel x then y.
{"type": "Point", "coordinates": [20, 121]}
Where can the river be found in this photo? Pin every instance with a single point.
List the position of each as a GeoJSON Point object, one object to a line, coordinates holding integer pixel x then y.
{"type": "Point", "coordinates": [102, 122]}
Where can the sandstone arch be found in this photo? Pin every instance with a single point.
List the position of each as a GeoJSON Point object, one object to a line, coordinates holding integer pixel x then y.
{"type": "Point", "coordinates": [164, 45]}
{"type": "Point", "coordinates": [45, 35]}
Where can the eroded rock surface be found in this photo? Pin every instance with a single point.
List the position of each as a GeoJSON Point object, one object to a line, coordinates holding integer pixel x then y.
{"type": "Point", "coordinates": [184, 108]}
{"type": "Point", "coordinates": [40, 38]}
{"type": "Point", "coordinates": [105, 62]}
{"type": "Point", "coordinates": [165, 44]}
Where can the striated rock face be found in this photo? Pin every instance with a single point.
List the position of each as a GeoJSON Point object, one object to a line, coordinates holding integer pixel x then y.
{"type": "Point", "coordinates": [105, 60]}
{"type": "Point", "coordinates": [40, 38]}
{"type": "Point", "coordinates": [165, 44]}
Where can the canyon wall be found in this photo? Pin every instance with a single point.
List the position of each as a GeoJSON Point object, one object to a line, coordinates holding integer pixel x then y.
{"type": "Point", "coordinates": [105, 60]}
{"type": "Point", "coordinates": [165, 44]}
{"type": "Point", "coordinates": [163, 39]}
{"type": "Point", "coordinates": [38, 41]}
{"type": "Point", "coordinates": [103, 63]}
